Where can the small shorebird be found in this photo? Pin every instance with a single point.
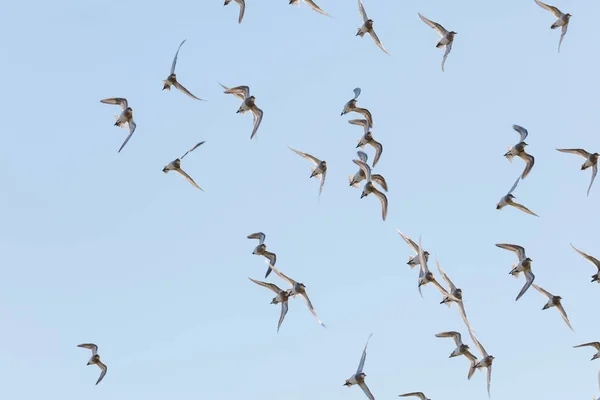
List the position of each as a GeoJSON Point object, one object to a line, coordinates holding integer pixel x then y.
{"type": "Point", "coordinates": [507, 200]}
{"type": "Point", "coordinates": [126, 116]}
{"type": "Point", "coordinates": [370, 188]}
{"type": "Point", "coordinates": [446, 40]}
{"type": "Point", "coordinates": [282, 297]}
{"type": "Point", "coordinates": [367, 27]}
{"type": "Point", "coordinates": [248, 104]}
{"type": "Point", "coordinates": [518, 150]}
{"type": "Point", "coordinates": [595, 345]}
{"type": "Point", "coordinates": [175, 165]}
{"type": "Point", "coordinates": [320, 168]}
{"type": "Point", "coordinates": [413, 261]}
{"type": "Point", "coordinates": [591, 160]}
{"type": "Point", "coordinates": [367, 138]}
{"type": "Point", "coordinates": [562, 21]}
{"type": "Point", "coordinates": [172, 78]}
{"type": "Point", "coordinates": [593, 260]}
{"type": "Point", "coordinates": [554, 301]}
{"type": "Point", "coordinates": [486, 361]}
{"type": "Point", "coordinates": [359, 176]}
{"type": "Point", "coordinates": [350, 106]}
{"type": "Point", "coordinates": [95, 360]}
{"type": "Point", "coordinates": [359, 377]}
{"type": "Point", "coordinates": [524, 266]}
{"type": "Point", "coordinates": [261, 250]}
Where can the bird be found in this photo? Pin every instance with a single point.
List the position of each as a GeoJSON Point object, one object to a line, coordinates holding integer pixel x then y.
{"type": "Point", "coordinates": [453, 296]}
{"type": "Point", "coordinates": [261, 250]}
{"type": "Point", "coordinates": [172, 78]}
{"type": "Point", "coordinates": [413, 261]}
{"type": "Point", "coordinates": [242, 4]}
{"type": "Point", "coordinates": [370, 188]}
{"type": "Point", "coordinates": [126, 116]}
{"type": "Point", "coordinates": [299, 289]}
{"type": "Point", "coordinates": [554, 301]}
{"type": "Point", "coordinates": [420, 395]}
{"type": "Point", "coordinates": [518, 150]}
{"type": "Point", "coordinates": [524, 266]}
{"type": "Point", "coordinates": [446, 40]}
{"type": "Point", "coordinates": [425, 275]}
{"type": "Point", "coordinates": [595, 345]}
{"type": "Point", "coordinates": [591, 160]}
{"type": "Point", "coordinates": [359, 377]}
{"type": "Point", "coordinates": [593, 260]}
{"type": "Point", "coordinates": [350, 106]}
{"type": "Point", "coordinates": [486, 361]}
{"type": "Point", "coordinates": [175, 165]}
{"type": "Point", "coordinates": [507, 200]}
{"type": "Point", "coordinates": [367, 27]}
{"type": "Point", "coordinates": [368, 139]}
{"type": "Point", "coordinates": [311, 4]}
{"type": "Point", "coordinates": [359, 176]}
{"type": "Point", "coordinates": [461, 348]}
{"type": "Point", "coordinates": [95, 359]}
{"type": "Point", "coordinates": [562, 21]}
{"type": "Point", "coordinates": [248, 104]}
{"type": "Point", "coordinates": [320, 168]}
{"type": "Point", "coordinates": [282, 297]}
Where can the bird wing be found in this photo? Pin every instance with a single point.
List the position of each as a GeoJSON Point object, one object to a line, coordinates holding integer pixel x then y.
{"type": "Point", "coordinates": [520, 251]}
{"type": "Point", "coordinates": [193, 148]}
{"type": "Point", "coordinates": [522, 131]}
{"type": "Point", "coordinates": [445, 278]}
{"type": "Point", "coordinates": [557, 13]}
{"type": "Point", "coordinates": [523, 208]}
{"type": "Point", "coordinates": [361, 364]}
{"type": "Point", "coordinates": [238, 95]}
{"type": "Point", "coordinates": [409, 241]}
{"type": "Point", "coordinates": [362, 122]}
{"type": "Point", "coordinates": [242, 92]}
{"type": "Point", "coordinates": [422, 261]}
{"type": "Point", "coordinates": [384, 202]}
{"type": "Point", "coordinates": [380, 180]}
{"type": "Point", "coordinates": [463, 314]}
{"type": "Point", "coordinates": [271, 286]}
{"type": "Point", "coordinates": [416, 394]}
{"type": "Point", "coordinates": [451, 334]}
{"type": "Point", "coordinates": [363, 14]}
{"type": "Point", "coordinates": [364, 167]}
{"type": "Point", "coordinates": [357, 92]}
{"type": "Point", "coordinates": [579, 152]}
{"type": "Point", "coordinates": [120, 101]}
{"type": "Point", "coordinates": [543, 291]}
{"type": "Point", "coordinates": [529, 161]}
{"type": "Point", "coordinates": [132, 127]}
{"type": "Point", "coordinates": [258, 235]}
{"type": "Point", "coordinates": [184, 90]}
{"type": "Point", "coordinates": [271, 259]}
{"type": "Point", "coordinates": [377, 41]}
{"type": "Point", "coordinates": [103, 368]}
{"type": "Point", "coordinates": [289, 280]}
{"type": "Point", "coordinates": [284, 310]}
{"type": "Point", "coordinates": [312, 159]}
{"type": "Point", "coordinates": [563, 32]}
{"type": "Point", "coordinates": [365, 389]}
{"type": "Point", "coordinates": [594, 172]}
{"type": "Point", "coordinates": [478, 344]}
{"type": "Point", "coordinates": [563, 314]}
{"type": "Point", "coordinates": [315, 7]}
{"type": "Point", "coordinates": [437, 27]}
{"type": "Point", "coordinates": [90, 346]}
{"type": "Point", "coordinates": [175, 58]}
{"type": "Point", "coordinates": [362, 156]}
{"type": "Point", "coordinates": [378, 150]}
{"type": "Point", "coordinates": [323, 176]}
{"type": "Point", "coordinates": [530, 277]}
{"type": "Point", "coordinates": [187, 177]}
{"type": "Point", "coordinates": [242, 4]}
{"type": "Point", "coordinates": [258, 116]}
{"type": "Point", "coordinates": [591, 259]}
{"type": "Point", "coordinates": [311, 308]}
{"type": "Point", "coordinates": [489, 378]}
{"type": "Point", "coordinates": [592, 344]}
{"type": "Point", "coordinates": [446, 52]}
{"type": "Point", "coordinates": [514, 185]}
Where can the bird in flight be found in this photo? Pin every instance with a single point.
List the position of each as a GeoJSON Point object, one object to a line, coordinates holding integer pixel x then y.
{"type": "Point", "coordinates": [507, 200]}
{"type": "Point", "coordinates": [554, 301]}
{"type": "Point", "coordinates": [446, 40]}
{"type": "Point", "coordinates": [172, 78]}
{"type": "Point", "coordinates": [524, 266]}
{"type": "Point", "coordinates": [175, 165]}
{"type": "Point", "coordinates": [95, 360]}
{"type": "Point", "coordinates": [282, 297]}
{"type": "Point", "coordinates": [591, 160]}
{"type": "Point", "coordinates": [518, 150]}
{"type": "Point", "coordinates": [126, 116]}
{"type": "Point", "coordinates": [562, 22]}
{"type": "Point", "coordinates": [320, 168]}
{"type": "Point", "coordinates": [261, 250]}
{"type": "Point", "coordinates": [359, 377]}
{"type": "Point", "coordinates": [248, 104]}
{"type": "Point", "coordinates": [367, 27]}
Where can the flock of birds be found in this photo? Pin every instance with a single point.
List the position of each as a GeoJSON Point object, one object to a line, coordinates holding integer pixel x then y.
{"type": "Point", "coordinates": [451, 294]}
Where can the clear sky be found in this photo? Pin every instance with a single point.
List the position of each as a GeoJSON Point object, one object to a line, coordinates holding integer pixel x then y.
{"type": "Point", "coordinates": [103, 247]}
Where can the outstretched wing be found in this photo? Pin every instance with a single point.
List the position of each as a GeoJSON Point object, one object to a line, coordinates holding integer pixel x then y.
{"type": "Point", "coordinates": [258, 116]}
{"type": "Point", "coordinates": [315, 7]}
{"type": "Point", "coordinates": [514, 185]}
{"type": "Point", "coordinates": [557, 13]}
{"type": "Point", "coordinates": [591, 259]}
{"type": "Point", "coordinates": [184, 90]}
{"type": "Point", "coordinates": [90, 346]}
{"type": "Point", "coordinates": [523, 208]}
{"type": "Point", "coordinates": [271, 286]}
{"type": "Point", "coordinates": [187, 178]}
{"type": "Point", "coordinates": [446, 52]}
{"type": "Point", "coordinates": [242, 4]}
{"type": "Point", "coordinates": [451, 334]}
{"type": "Point", "coordinates": [361, 364]}
{"type": "Point", "coordinates": [363, 14]}
{"type": "Point", "coordinates": [594, 173]}
{"type": "Point", "coordinates": [103, 368]}
{"type": "Point", "coordinates": [437, 27]}
{"type": "Point", "coordinates": [520, 251]}
{"type": "Point", "coordinates": [361, 122]}
{"type": "Point", "coordinates": [364, 167]}
{"type": "Point", "coordinates": [380, 180]}
{"type": "Point", "coordinates": [119, 101]}
{"type": "Point", "coordinates": [193, 148]}
{"type": "Point", "coordinates": [312, 159]}
{"type": "Point", "coordinates": [522, 131]}
{"type": "Point", "coordinates": [132, 127]}
{"type": "Point", "coordinates": [530, 277]}
{"type": "Point", "coordinates": [563, 314]}
{"type": "Point", "coordinates": [311, 308]}
{"type": "Point", "coordinates": [175, 58]}
{"type": "Point", "coordinates": [258, 235]}
{"type": "Point", "coordinates": [242, 92]}
{"type": "Point", "coordinates": [377, 41]}
{"type": "Point", "coordinates": [543, 291]}
{"type": "Point", "coordinates": [529, 161]}
{"type": "Point", "coordinates": [579, 152]}
{"type": "Point", "coordinates": [284, 310]}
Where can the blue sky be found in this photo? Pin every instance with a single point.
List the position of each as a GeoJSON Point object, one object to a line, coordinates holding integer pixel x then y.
{"type": "Point", "coordinates": [103, 247]}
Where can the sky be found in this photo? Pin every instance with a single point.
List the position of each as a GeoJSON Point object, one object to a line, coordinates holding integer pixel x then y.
{"type": "Point", "coordinates": [99, 246]}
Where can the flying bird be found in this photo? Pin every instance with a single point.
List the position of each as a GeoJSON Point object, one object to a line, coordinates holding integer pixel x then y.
{"type": "Point", "coordinates": [454, 296]}
{"type": "Point", "coordinates": [461, 348]}
{"type": "Point", "coordinates": [282, 297]}
{"type": "Point", "coordinates": [593, 260]}
{"type": "Point", "coordinates": [172, 79]}
{"type": "Point", "coordinates": [359, 176]}
{"type": "Point", "coordinates": [370, 188]}
{"type": "Point", "coordinates": [248, 104]}
{"type": "Point", "coordinates": [95, 360]}
{"type": "Point", "coordinates": [311, 4]}
{"type": "Point", "coordinates": [126, 116]}
{"type": "Point", "coordinates": [446, 40]}
{"type": "Point", "coordinates": [359, 377]}
{"type": "Point", "coordinates": [368, 139]}
{"type": "Point", "coordinates": [524, 266]}
{"type": "Point", "coordinates": [595, 345]}
{"type": "Point", "coordinates": [242, 4]}
{"type": "Point", "coordinates": [591, 160]}
{"type": "Point", "coordinates": [420, 395]}
{"type": "Point", "coordinates": [367, 27]}
{"type": "Point", "coordinates": [299, 289]}
{"type": "Point", "coordinates": [350, 106]}
{"type": "Point", "coordinates": [507, 200]}
{"type": "Point", "coordinates": [261, 250]}
{"type": "Point", "coordinates": [320, 168]}
{"type": "Point", "coordinates": [486, 361]}
{"type": "Point", "coordinates": [413, 261]}
{"type": "Point", "coordinates": [518, 150]}
{"type": "Point", "coordinates": [425, 275]}
{"type": "Point", "coordinates": [562, 21]}
{"type": "Point", "coordinates": [175, 165]}
{"type": "Point", "coordinates": [554, 301]}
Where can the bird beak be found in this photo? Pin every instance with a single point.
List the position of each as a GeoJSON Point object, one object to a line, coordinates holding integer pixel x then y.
{"type": "Point", "coordinates": [342, 113]}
